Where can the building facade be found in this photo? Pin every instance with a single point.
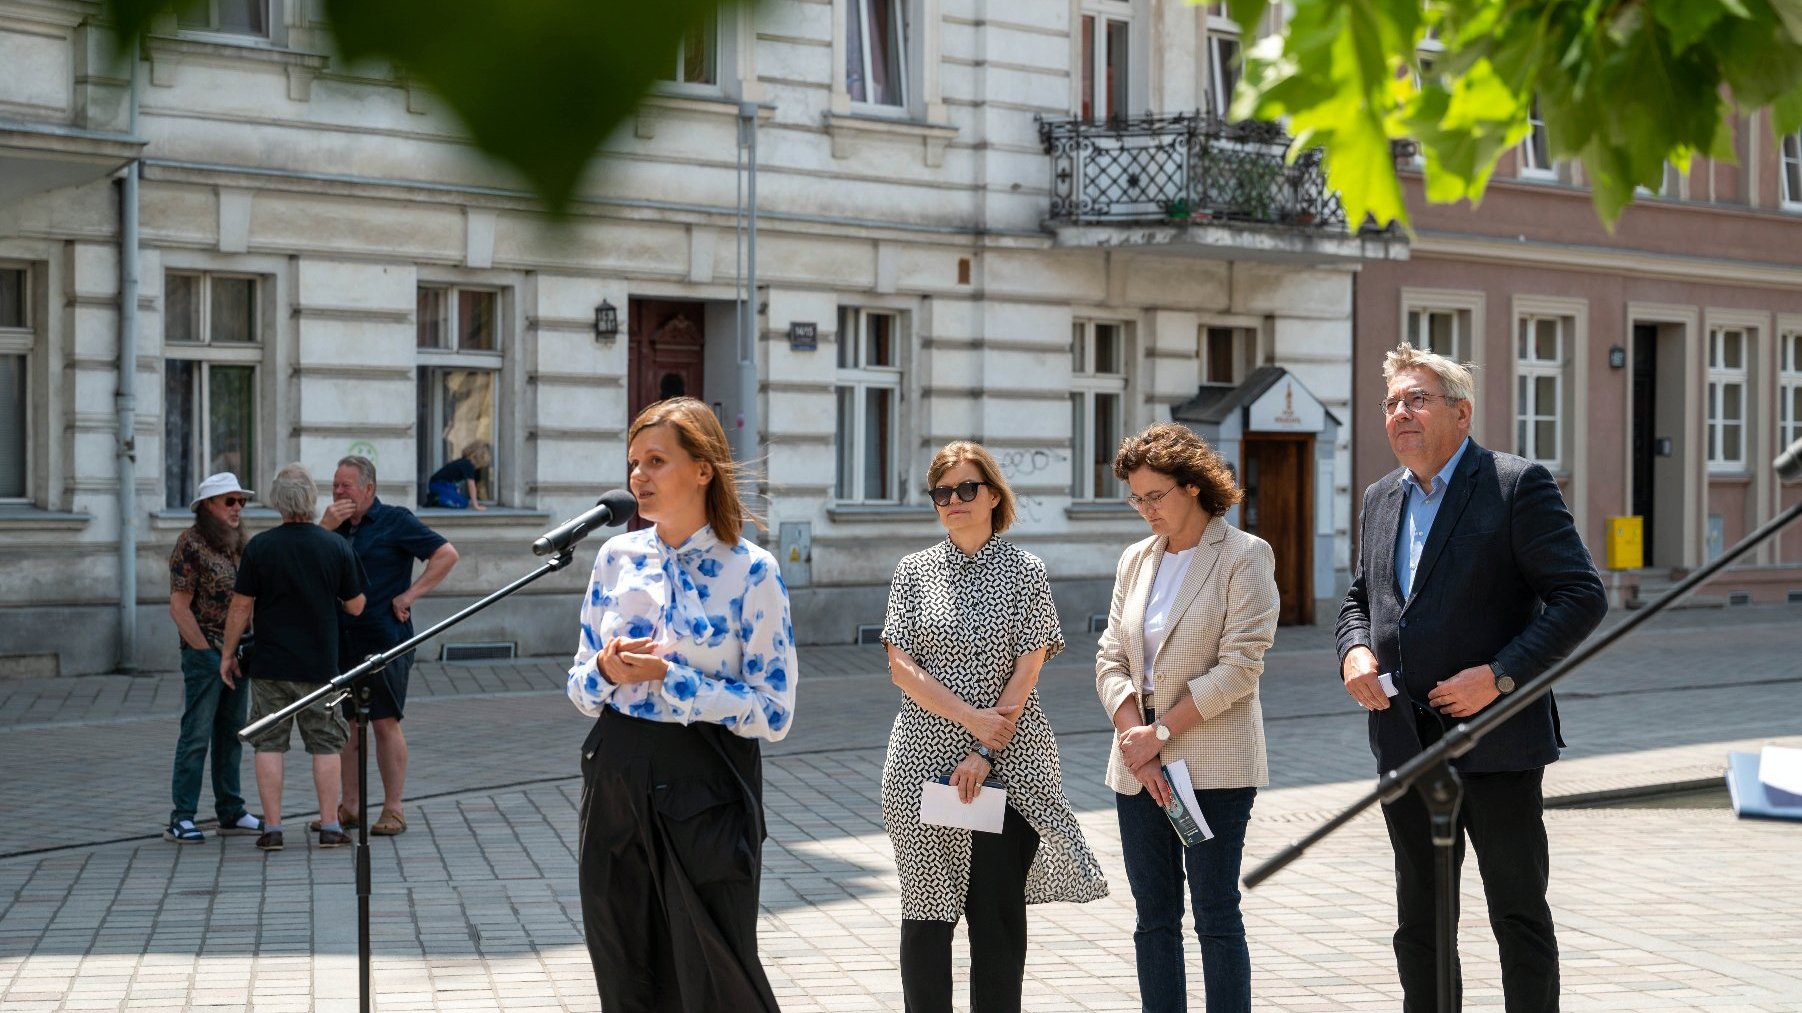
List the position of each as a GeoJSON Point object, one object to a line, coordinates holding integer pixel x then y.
{"type": "Point", "coordinates": [1655, 369]}
{"type": "Point", "coordinates": [1022, 224]}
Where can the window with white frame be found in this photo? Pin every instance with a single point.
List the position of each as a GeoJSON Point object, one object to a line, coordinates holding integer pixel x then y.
{"type": "Point", "coordinates": [1106, 57]}
{"type": "Point", "coordinates": [1535, 151]}
{"type": "Point", "coordinates": [459, 342]}
{"type": "Point", "coordinates": [15, 370]}
{"type": "Point", "coordinates": [697, 55]}
{"type": "Point", "coordinates": [1792, 171]}
{"type": "Point", "coordinates": [1223, 59]}
{"type": "Point", "coordinates": [212, 346]}
{"type": "Point", "coordinates": [1440, 329]}
{"type": "Point", "coordinates": [1226, 354]}
{"type": "Point", "coordinates": [1789, 389]}
{"type": "Point", "coordinates": [868, 397]}
{"type": "Point", "coordinates": [1097, 407]}
{"type": "Point", "coordinates": [876, 52]}
{"type": "Point", "coordinates": [1539, 388]}
{"type": "Point", "coordinates": [226, 17]}
{"type": "Point", "coordinates": [1728, 349]}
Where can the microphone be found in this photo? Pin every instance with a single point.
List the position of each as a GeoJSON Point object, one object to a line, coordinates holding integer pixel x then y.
{"type": "Point", "coordinates": [1789, 463]}
{"type": "Point", "coordinates": [614, 507]}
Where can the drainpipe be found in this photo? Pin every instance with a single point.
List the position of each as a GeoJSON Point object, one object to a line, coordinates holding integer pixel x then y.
{"type": "Point", "coordinates": [748, 327]}
{"type": "Point", "coordinates": [125, 402]}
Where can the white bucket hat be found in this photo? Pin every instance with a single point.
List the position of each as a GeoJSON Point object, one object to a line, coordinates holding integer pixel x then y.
{"type": "Point", "coordinates": [218, 485]}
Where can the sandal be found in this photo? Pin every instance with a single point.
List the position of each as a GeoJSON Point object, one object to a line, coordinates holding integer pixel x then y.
{"type": "Point", "coordinates": [183, 832]}
{"type": "Point", "coordinates": [390, 824]}
{"type": "Point", "coordinates": [347, 820]}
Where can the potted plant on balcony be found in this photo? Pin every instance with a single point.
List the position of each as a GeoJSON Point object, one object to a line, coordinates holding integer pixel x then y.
{"type": "Point", "coordinates": [1178, 210]}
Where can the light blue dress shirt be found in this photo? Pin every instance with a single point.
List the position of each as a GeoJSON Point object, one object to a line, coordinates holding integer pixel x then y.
{"type": "Point", "coordinates": [1419, 507]}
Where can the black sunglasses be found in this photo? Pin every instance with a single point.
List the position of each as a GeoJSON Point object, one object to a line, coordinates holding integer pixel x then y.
{"type": "Point", "coordinates": [966, 491]}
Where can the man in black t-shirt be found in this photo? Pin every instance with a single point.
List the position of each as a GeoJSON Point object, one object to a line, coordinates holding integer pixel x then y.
{"type": "Point", "coordinates": [294, 579]}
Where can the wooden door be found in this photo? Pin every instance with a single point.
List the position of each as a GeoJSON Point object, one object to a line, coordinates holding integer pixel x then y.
{"type": "Point", "coordinates": [666, 350]}
{"type": "Point", "coordinates": [1279, 508]}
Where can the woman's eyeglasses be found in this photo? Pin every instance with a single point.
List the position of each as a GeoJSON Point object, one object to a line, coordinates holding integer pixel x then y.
{"type": "Point", "coordinates": [1149, 501]}
{"type": "Point", "coordinates": [966, 491]}
{"type": "Point", "coordinates": [236, 501]}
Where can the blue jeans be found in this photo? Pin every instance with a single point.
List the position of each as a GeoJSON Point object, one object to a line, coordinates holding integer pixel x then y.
{"type": "Point", "coordinates": [211, 715]}
{"type": "Point", "coordinates": [1155, 865]}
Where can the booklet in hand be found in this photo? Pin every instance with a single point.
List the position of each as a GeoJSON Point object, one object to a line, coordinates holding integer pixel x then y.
{"type": "Point", "coordinates": [1184, 811]}
{"type": "Point", "coordinates": [940, 806]}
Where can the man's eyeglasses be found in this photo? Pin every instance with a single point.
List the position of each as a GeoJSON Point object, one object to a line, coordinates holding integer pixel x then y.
{"type": "Point", "coordinates": [966, 491]}
{"type": "Point", "coordinates": [1149, 501]}
{"type": "Point", "coordinates": [236, 501]}
{"type": "Point", "coordinates": [1416, 400]}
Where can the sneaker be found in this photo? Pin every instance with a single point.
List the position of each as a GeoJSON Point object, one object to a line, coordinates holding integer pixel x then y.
{"type": "Point", "coordinates": [183, 832]}
{"type": "Point", "coordinates": [333, 838]}
{"type": "Point", "coordinates": [245, 825]}
{"type": "Point", "coordinates": [270, 841]}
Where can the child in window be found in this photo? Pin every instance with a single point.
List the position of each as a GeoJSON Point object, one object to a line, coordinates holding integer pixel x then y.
{"type": "Point", "coordinates": [454, 485]}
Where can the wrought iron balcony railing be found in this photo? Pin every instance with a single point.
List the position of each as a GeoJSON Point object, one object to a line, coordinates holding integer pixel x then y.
{"type": "Point", "coordinates": [1184, 168]}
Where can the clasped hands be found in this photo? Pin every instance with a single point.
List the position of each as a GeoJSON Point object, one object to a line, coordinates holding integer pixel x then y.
{"type": "Point", "coordinates": [1460, 696]}
{"type": "Point", "coordinates": [994, 727]}
{"type": "Point", "coordinates": [625, 660]}
{"type": "Point", "coordinates": [1141, 749]}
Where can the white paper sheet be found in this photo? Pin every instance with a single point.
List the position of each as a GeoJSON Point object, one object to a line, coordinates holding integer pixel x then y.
{"type": "Point", "coordinates": [940, 807]}
{"type": "Point", "coordinates": [1185, 790]}
{"type": "Point", "coordinates": [1387, 681]}
{"type": "Point", "coordinates": [1780, 767]}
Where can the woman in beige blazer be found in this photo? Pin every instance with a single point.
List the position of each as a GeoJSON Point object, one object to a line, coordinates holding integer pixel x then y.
{"type": "Point", "coordinates": [1194, 609]}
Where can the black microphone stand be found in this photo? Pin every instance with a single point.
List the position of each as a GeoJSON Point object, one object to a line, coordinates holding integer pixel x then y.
{"type": "Point", "coordinates": [1430, 772]}
{"type": "Point", "coordinates": [356, 683]}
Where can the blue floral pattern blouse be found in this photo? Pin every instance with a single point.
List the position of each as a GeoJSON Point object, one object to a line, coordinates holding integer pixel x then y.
{"type": "Point", "coordinates": [717, 613]}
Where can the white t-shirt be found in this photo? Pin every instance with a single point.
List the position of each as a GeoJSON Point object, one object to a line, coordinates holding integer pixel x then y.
{"type": "Point", "coordinates": [1158, 619]}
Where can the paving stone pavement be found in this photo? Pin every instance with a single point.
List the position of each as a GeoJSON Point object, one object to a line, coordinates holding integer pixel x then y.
{"type": "Point", "coordinates": [475, 907]}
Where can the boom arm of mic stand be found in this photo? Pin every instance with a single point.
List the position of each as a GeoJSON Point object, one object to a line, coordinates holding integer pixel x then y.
{"type": "Point", "coordinates": [346, 681]}
{"type": "Point", "coordinates": [1460, 739]}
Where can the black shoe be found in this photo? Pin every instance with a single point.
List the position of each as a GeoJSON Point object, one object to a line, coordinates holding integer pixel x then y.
{"type": "Point", "coordinates": [270, 841]}
{"type": "Point", "coordinates": [333, 838]}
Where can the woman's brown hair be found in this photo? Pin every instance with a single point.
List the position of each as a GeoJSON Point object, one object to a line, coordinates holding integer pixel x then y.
{"type": "Point", "coordinates": [1174, 450]}
{"type": "Point", "coordinates": [702, 438]}
{"type": "Point", "coordinates": [967, 451]}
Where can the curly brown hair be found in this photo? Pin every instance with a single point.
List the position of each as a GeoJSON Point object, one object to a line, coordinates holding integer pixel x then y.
{"type": "Point", "coordinates": [1174, 450]}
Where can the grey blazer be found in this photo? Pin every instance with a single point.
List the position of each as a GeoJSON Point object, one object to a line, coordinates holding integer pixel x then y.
{"type": "Point", "coordinates": [1226, 618]}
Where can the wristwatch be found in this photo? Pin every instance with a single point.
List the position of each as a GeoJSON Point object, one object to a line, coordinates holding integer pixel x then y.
{"type": "Point", "coordinates": [1162, 731]}
{"type": "Point", "coordinates": [1504, 683]}
{"type": "Point", "coordinates": [984, 752]}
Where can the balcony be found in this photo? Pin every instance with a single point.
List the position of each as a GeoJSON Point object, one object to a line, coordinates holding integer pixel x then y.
{"type": "Point", "coordinates": [1196, 184]}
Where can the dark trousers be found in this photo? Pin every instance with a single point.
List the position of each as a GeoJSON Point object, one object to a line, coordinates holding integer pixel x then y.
{"type": "Point", "coordinates": [670, 861]}
{"type": "Point", "coordinates": [1504, 818]}
{"type": "Point", "coordinates": [995, 907]}
{"type": "Point", "coordinates": [211, 715]}
{"type": "Point", "coordinates": [1155, 865]}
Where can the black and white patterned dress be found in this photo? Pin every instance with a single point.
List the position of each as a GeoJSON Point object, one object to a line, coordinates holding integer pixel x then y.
{"type": "Point", "coordinates": [965, 620]}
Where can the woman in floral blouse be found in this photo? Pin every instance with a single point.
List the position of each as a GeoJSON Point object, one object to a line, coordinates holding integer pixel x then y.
{"type": "Point", "coordinates": [970, 623]}
{"type": "Point", "coordinates": [687, 659]}
{"type": "Point", "coordinates": [202, 569]}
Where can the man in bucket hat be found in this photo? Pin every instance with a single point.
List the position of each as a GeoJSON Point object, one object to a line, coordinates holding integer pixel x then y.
{"type": "Point", "coordinates": [202, 569]}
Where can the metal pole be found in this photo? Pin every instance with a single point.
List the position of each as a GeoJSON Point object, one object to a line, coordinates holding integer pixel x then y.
{"type": "Point", "coordinates": [749, 326]}
{"type": "Point", "coordinates": [125, 399]}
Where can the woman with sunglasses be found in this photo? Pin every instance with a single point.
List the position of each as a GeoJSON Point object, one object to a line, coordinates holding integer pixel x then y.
{"type": "Point", "coordinates": [970, 622]}
{"type": "Point", "coordinates": [1194, 609]}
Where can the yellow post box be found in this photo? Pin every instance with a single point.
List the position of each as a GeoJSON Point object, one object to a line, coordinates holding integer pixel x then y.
{"type": "Point", "coordinates": [1626, 543]}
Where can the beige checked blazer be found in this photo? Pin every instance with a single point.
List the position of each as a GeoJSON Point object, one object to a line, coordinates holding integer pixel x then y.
{"type": "Point", "coordinates": [1226, 618]}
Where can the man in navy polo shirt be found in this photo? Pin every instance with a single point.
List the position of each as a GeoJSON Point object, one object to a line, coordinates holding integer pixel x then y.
{"type": "Point", "coordinates": [387, 539]}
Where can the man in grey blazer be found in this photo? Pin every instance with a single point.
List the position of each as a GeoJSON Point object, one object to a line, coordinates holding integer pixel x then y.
{"type": "Point", "coordinates": [1471, 581]}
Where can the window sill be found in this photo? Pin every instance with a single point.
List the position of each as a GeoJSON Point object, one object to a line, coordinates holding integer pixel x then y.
{"type": "Point", "coordinates": [1098, 510]}
{"type": "Point", "coordinates": [494, 516]}
{"type": "Point", "coordinates": [165, 52]}
{"type": "Point", "coordinates": [24, 517]}
{"type": "Point", "coordinates": [669, 101]}
{"type": "Point", "coordinates": [844, 128]}
{"type": "Point", "coordinates": [864, 512]}
{"type": "Point", "coordinates": [1730, 476]}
